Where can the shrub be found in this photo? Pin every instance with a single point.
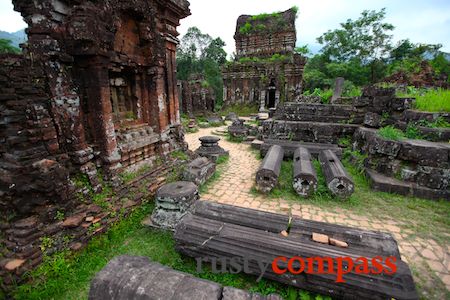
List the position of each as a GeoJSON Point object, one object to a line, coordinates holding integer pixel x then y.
{"type": "Point", "coordinates": [412, 132]}
{"type": "Point", "coordinates": [432, 100]}
{"type": "Point", "coordinates": [440, 122]}
{"type": "Point", "coordinates": [246, 28]}
{"type": "Point", "coordinates": [391, 133]}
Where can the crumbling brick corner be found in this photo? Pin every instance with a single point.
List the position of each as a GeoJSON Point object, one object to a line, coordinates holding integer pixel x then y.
{"type": "Point", "coordinates": [93, 94]}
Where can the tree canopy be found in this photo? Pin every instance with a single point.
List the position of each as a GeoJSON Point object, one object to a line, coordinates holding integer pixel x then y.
{"type": "Point", "coordinates": [199, 53]}
{"type": "Point", "coordinates": [7, 47]}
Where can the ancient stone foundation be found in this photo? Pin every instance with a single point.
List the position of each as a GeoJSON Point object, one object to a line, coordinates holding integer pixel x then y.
{"type": "Point", "coordinates": [409, 167]}
{"type": "Point", "coordinates": [199, 170]}
{"type": "Point", "coordinates": [210, 148]}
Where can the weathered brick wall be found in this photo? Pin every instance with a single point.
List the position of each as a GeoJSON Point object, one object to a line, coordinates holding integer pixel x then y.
{"type": "Point", "coordinates": [32, 164]}
{"type": "Point", "coordinates": [266, 70]}
{"type": "Point", "coordinates": [266, 35]}
{"type": "Point", "coordinates": [94, 94]}
{"type": "Point", "coordinates": [197, 95]}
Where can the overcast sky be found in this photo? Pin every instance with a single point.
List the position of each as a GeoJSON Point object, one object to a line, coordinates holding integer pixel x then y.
{"type": "Point", "coordinates": [425, 21]}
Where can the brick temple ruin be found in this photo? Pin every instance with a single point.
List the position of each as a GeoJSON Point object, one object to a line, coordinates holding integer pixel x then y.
{"type": "Point", "coordinates": [93, 93]}
{"type": "Point", "coordinates": [266, 69]}
{"type": "Point", "coordinates": [195, 95]}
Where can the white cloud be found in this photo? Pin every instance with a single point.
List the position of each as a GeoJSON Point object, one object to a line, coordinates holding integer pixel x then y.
{"type": "Point", "coordinates": [10, 20]}
{"type": "Point", "coordinates": [420, 21]}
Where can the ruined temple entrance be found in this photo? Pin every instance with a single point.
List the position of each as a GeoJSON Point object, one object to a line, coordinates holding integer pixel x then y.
{"type": "Point", "coordinates": [271, 99]}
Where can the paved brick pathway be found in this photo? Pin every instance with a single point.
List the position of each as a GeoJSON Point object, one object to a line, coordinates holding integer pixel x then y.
{"type": "Point", "coordinates": [430, 262]}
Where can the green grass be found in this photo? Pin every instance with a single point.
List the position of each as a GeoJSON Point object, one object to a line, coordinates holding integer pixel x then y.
{"type": "Point", "coordinates": [325, 95]}
{"type": "Point", "coordinates": [432, 100]}
{"type": "Point", "coordinates": [439, 122]}
{"type": "Point", "coordinates": [67, 276]}
{"type": "Point", "coordinates": [426, 218]}
{"type": "Point", "coordinates": [234, 139]}
{"type": "Point", "coordinates": [129, 176]}
{"type": "Point", "coordinates": [391, 133]}
{"type": "Point", "coordinates": [240, 110]}
{"type": "Point", "coordinates": [179, 155]}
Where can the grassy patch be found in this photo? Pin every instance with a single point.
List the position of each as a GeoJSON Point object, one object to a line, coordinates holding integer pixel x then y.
{"type": "Point", "coordinates": [129, 176]}
{"type": "Point", "coordinates": [234, 139]}
{"type": "Point", "coordinates": [67, 276]}
{"type": "Point", "coordinates": [421, 216]}
{"type": "Point", "coordinates": [179, 155]}
{"type": "Point", "coordinates": [391, 133]}
{"type": "Point", "coordinates": [439, 122]}
{"type": "Point", "coordinates": [432, 100]}
{"type": "Point", "coordinates": [240, 110]}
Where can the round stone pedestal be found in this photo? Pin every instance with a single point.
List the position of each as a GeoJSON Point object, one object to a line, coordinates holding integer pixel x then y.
{"type": "Point", "coordinates": [172, 202]}
{"type": "Point", "coordinates": [210, 148]}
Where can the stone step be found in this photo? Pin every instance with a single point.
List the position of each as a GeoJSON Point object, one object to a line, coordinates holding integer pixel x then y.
{"type": "Point", "coordinates": [382, 183]}
{"type": "Point", "coordinates": [315, 132]}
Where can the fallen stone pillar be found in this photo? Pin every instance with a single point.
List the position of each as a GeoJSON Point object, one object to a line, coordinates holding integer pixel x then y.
{"type": "Point", "coordinates": [305, 177]}
{"type": "Point", "coordinates": [136, 277]}
{"type": "Point", "coordinates": [338, 180]}
{"type": "Point", "coordinates": [233, 232]}
{"type": "Point", "coordinates": [268, 172]}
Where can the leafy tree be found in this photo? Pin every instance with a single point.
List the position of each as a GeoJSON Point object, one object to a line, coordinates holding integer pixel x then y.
{"type": "Point", "coordinates": [6, 47]}
{"type": "Point", "coordinates": [200, 53]}
{"type": "Point", "coordinates": [215, 51]}
{"type": "Point", "coordinates": [365, 39]}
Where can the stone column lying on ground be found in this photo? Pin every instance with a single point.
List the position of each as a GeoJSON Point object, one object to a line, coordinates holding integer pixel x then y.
{"type": "Point", "coordinates": [136, 277]}
{"type": "Point", "coordinates": [305, 177]}
{"type": "Point", "coordinates": [268, 172]}
{"type": "Point", "coordinates": [289, 147]}
{"type": "Point", "coordinates": [234, 232]}
{"type": "Point", "coordinates": [338, 180]}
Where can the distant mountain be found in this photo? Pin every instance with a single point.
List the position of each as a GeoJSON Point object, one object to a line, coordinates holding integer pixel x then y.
{"type": "Point", "coordinates": [430, 56]}
{"type": "Point", "coordinates": [16, 38]}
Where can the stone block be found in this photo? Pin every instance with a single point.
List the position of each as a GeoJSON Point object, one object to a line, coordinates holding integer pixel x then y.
{"type": "Point", "coordinates": [172, 202]}
{"type": "Point", "coordinates": [199, 170]}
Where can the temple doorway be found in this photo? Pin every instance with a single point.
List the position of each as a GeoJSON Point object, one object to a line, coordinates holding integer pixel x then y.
{"type": "Point", "coordinates": [271, 97]}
